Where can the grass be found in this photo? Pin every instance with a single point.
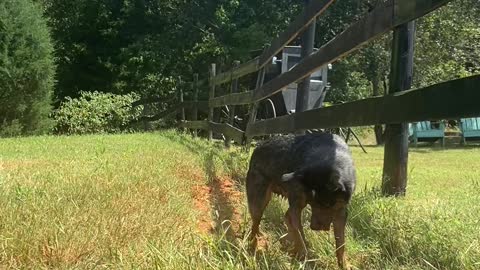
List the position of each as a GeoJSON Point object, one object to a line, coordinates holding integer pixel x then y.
{"type": "Point", "coordinates": [138, 202]}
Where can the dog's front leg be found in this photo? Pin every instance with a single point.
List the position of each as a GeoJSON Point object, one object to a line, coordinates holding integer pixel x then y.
{"type": "Point", "coordinates": [293, 219]}
{"type": "Point", "coordinates": [339, 224]}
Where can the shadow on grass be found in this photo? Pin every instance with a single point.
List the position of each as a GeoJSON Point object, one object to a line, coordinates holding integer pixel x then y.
{"type": "Point", "coordinates": [225, 195]}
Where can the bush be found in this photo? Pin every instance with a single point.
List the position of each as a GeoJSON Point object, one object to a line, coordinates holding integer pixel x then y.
{"type": "Point", "coordinates": [95, 112]}
{"type": "Point", "coordinates": [27, 69]}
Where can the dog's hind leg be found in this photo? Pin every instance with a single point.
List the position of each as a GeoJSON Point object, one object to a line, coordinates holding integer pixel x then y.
{"type": "Point", "coordinates": [259, 194]}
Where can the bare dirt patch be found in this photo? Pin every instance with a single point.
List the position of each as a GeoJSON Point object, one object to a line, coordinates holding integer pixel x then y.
{"type": "Point", "coordinates": [200, 193]}
{"type": "Point", "coordinates": [226, 200]}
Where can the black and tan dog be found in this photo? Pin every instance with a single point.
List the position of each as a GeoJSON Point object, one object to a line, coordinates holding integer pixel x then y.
{"type": "Point", "coordinates": [314, 169]}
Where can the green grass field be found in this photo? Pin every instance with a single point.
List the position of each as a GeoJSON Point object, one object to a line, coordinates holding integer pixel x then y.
{"type": "Point", "coordinates": [147, 201]}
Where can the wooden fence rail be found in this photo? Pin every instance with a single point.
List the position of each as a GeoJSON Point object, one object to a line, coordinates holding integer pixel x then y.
{"type": "Point", "coordinates": [448, 100]}
{"type": "Point", "coordinates": [234, 133]}
{"type": "Point", "coordinates": [201, 105]}
{"type": "Point", "coordinates": [232, 99]}
{"type": "Point", "coordinates": [308, 15]}
{"type": "Point", "coordinates": [240, 71]}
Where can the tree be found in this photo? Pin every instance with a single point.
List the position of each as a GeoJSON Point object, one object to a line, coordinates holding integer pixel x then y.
{"type": "Point", "coordinates": [448, 43]}
{"type": "Point", "coordinates": [142, 45]}
{"type": "Point", "coordinates": [26, 69]}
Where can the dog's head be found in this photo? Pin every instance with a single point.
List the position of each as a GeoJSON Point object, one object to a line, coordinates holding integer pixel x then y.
{"type": "Point", "coordinates": [326, 192]}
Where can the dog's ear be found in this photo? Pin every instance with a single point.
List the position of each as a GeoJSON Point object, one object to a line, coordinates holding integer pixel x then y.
{"type": "Point", "coordinates": [292, 176]}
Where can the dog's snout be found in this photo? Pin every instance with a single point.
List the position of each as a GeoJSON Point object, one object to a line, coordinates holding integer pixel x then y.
{"type": "Point", "coordinates": [320, 222]}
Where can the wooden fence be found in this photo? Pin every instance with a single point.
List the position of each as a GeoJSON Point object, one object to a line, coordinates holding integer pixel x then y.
{"type": "Point", "coordinates": [448, 100]}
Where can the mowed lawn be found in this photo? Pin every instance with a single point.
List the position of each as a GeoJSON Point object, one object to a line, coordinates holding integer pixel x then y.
{"type": "Point", "coordinates": [167, 201]}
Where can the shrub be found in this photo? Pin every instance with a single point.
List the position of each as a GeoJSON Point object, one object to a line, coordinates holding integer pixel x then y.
{"type": "Point", "coordinates": [95, 112]}
{"type": "Point", "coordinates": [27, 69]}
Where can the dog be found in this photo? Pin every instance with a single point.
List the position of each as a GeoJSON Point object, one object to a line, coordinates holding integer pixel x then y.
{"type": "Point", "coordinates": [314, 169]}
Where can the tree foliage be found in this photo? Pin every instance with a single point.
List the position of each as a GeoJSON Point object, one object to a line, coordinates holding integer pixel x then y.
{"type": "Point", "coordinates": [26, 69]}
{"type": "Point", "coordinates": [141, 45]}
{"type": "Point", "coordinates": [448, 43]}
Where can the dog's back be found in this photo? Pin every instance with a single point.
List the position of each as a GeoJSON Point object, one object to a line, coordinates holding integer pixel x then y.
{"type": "Point", "coordinates": [283, 154]}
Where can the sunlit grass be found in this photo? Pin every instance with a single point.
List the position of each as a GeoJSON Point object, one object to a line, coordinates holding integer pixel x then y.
{"type": "Point", "coordinates": [128, 201]}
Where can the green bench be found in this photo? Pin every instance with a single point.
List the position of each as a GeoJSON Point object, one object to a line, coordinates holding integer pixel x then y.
{"type": "Point", "coordinates": [470, 128]}
{"type": "Point", "coordinates": [423, 131]}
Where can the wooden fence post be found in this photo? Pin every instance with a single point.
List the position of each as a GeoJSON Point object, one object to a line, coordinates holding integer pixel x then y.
{"type": "Point", "coordinates": [180, 90]}
{"type": "Point", "coordinates": [195, 99]}
{"type": "Point", "coordinates": [303, 87]}
{"type": "Point", "coordinates": [213, 72]}
{"type": "Point", "coordinates": [394, 180]}
{"type": "Point", "coordinates": [231, 112]}
{"type": "Point", "coordinates": [253, 108]}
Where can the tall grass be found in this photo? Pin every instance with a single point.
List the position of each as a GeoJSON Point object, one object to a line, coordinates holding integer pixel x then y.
{"type": "Point", "coordinates": [130, 202]}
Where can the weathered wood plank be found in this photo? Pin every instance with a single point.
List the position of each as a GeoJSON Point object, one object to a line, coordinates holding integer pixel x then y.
{"type": "Point", "coordinates": [377, 22]}
{"type": "Point", "coordinates": [303, 87]}
{"type": "Point", "coordinates": [405, 10]}
{"type": "Point", "coordinates": [449, 100]}
{"type": "Point", "coordinates": [211, 94]}
{"type": "Point", "coordinates": [203, 105]}
{"type": "Point", "coordinates": [395, 164]}
{"type": "Point", "coordinates": [226, 129]}
{"type": "Point", "coordinates": [180, 93]}
{"type": "Point", "coordinates": [308, 15]}
{"type": "Point", "coordinates": [254, 107]}
{"type": "Point", "coordinates": [229, 131]}
{"type": "Point", "coordinates": [240, 71]}
{"type": "Point", "coordinates": [195, 99]}
{"type": "Point", "coordinates": [301, 22]}
{"type": "Point", "coordinates": [194, 125]}
{"type": "Point", "coordinates": [232, 99]}
{"type": "Point", "coordinates": [282, 124]}
{"type": "Point", "coordinates": [231, 108]}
